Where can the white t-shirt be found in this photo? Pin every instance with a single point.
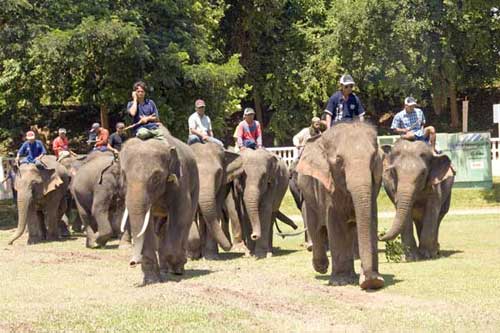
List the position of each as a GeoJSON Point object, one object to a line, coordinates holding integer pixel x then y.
{"type": "Point", "coordinates": [202, 124]}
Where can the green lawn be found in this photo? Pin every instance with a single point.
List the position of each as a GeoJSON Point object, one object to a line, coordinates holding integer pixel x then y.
{"type": "Point", "coordinates": [64, 286]}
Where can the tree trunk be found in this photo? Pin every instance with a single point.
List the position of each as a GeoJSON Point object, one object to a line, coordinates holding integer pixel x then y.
{"type": "Point", "coordinates": [258, 108]}
{"type": "Point", "coordinates": [104, 116]}
{"type": "Point", "coordinates": [452, 93]}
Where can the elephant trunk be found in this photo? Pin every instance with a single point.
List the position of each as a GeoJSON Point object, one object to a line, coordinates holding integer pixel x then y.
{"type": "Point", "coordinates": [404, 204]}
{"type": "Point", "coordinates": [139, 210]}
{"type": "Point", "coordinates": [366, 227]}
{"type": "Point", "coordinates": [24, 204]}
{"type": "Point", "coordinates": [208, 210]}
{"type": "Point", "coordinates": [251, 199]}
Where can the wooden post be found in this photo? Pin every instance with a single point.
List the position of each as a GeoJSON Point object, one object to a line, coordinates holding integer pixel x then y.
{"type": "Point", "coordinates": [465, 114]}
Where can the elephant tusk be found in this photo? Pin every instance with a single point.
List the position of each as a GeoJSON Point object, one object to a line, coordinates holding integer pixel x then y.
{"type": "Point", "coordinates": [145, 224]}
{"type": "Point", "coordinates": [124, 220]}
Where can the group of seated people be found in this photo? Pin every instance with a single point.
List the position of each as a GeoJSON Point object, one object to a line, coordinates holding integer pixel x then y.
{"type": "Point", "coordinates": [409, 123]}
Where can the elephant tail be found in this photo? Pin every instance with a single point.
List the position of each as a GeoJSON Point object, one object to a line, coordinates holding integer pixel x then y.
{"type": "Point", "coordinates": [285, 219]}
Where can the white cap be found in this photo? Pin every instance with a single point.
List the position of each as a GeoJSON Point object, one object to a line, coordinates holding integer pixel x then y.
{"type": "Point", "coordinates": [410, 101]}
{"type": "Point", "coordinates": [346, 79]}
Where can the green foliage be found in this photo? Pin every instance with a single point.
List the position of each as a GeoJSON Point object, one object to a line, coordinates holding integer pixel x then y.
{"type": "Point", "coordinates": [394, 249]}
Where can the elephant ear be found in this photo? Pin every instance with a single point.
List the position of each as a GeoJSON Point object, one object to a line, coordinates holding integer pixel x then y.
{"type": "Point", "coordinates": [51, 181]}
{"type": "Point", "coordinates": [174, 167]}
{"type": "Point", "coordinates": [233, 165]}
{"type": "Point", "coordinates": [377, 167]}
{"type": "Point", "coordinates": [49, 162]}
{"type": "Point", "coordinates": [441, 169]}
{"type": "Point", "coordinates": [314, 163]}
{"type": "Point", "coordinates": [109, 165]}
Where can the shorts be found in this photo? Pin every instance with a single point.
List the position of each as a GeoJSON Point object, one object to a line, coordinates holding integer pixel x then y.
{"type": "Point", "coordinates": [421, 138]}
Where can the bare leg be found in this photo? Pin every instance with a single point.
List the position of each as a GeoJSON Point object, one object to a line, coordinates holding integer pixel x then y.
{"type": "Point", "coordinates": [430, 132]}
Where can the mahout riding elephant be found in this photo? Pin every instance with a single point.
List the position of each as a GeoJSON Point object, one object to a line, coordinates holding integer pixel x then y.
{"type": "Point", "coordinates": [161, 186]}
{"type": "Point", "coordinates": [419, 184]}
{"type": "Point", "coordinates": [258, 194]}
{"type": "Point", "coordinates": [340, 174]}
{"type": "Point", "coordinates": [96, 189]}
{"type": "Point", "coordinates": [40, 199]}
{"type": "Point", "coordinates": [217, 168]}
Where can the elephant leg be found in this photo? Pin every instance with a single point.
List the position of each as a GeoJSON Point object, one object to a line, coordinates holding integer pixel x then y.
{"type": "Point", "coordinates": [319, 237]}
{"type": "Point", "coordinates": [341, 238]}
{"type": "Point", "coordinates": [149, 263]}
{"type": "Point", "coordinates": [195, 241]}
{"type": "Point", "coordinates": [100, 211]}
{"type": "Point", "coordinates": [52, 219]}
{"type": "Point", "coordinates": [36, 227]}
{"type": "Point", "coordinates": [262, 249]}
{"type": "Point", "coordinates": [126, 238]}
{"type": "Point", "coordinates": [428, 239]}
{"type": "Point", "coordinates": [62, 218]}
{"type": "Point", "coordinates": [173, 246]}
{"type": "Point", "coordinates": [209, 247]}
{"type": "Point", "coordinates": [409, 242]}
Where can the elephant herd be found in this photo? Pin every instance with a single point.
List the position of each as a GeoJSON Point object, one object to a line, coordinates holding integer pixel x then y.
{"type": "Point", "coordinates": [169, 201]}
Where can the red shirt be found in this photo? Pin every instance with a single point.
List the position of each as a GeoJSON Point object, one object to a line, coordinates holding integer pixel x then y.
{"type": "Point", "coordinates": [59, 144]}
{"type": "Point", "coordinates": [102, 138]}
{"type": "Point", "coordinates": [249, 132]}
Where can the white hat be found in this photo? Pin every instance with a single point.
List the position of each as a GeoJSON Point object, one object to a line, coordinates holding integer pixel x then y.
{"type": "Point", "coordinates": [346, 79]}
{"type": "Point", "coordinates": [410, 101]}
{"type": "Point", "coordinates": [248, 111]}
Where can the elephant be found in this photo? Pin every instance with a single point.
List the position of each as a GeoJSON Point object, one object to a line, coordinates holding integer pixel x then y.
{"type": "Point", "coordinates": [258, 194]}
{"type": "Point", "coordinates": [40, 199]}
{"type": "Point", "coordinates": [217, 168]}
{"type": "Point", "coordinates": [161, 186]}
{"type": "Point", "coordinates": [419, 184]}
{"type": "Point", "coordinates": [96, 189]}
{"type": "Point", "coordinates": [339, 177]}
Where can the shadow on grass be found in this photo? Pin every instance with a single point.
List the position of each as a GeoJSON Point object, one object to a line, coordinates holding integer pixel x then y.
{"type": "Point", "coordinates": [230, 255]}
{"type": "Point", "coordinates": [448, 253]}
{"type": "Point", "coordinates": [188, 274]}
{"type": "Point", "coordinates": [278, 252]}
{"type": "Point", "coordinates": [388, 278]}
{"type": "Point", "coordinates": [492, 195]}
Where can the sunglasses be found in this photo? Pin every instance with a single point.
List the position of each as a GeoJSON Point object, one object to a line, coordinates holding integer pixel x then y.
{"type": "Point", "coordinates": [349, 86]}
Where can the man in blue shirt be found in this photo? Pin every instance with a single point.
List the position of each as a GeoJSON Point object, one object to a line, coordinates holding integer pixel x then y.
{"type": "Point", "coordinates": [32, 149]}
{"type": "Point", "coordinates": [344, 105]}
{"type": "Point", "coordinates": [410, 124]}
{"type": "Point", "coordinates": [143, 110]}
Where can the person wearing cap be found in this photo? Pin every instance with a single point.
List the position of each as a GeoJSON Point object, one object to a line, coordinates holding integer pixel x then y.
{"type": "Point", "coordinates": [344, 105]}
{"type": "Point", "coordinates": [102, 137]}
{"type": "Point", "coordinates": [60, 145]}
{"type": "Point", "coordinates": [200, 126]}
{"type": "Point", "coordinates": [299, 139]}
{"type": "Point", "coordinates": [142, 109]}
{"type": "Point", "coordinates": [409, 123]}
{"type": "Point", "coordinates": [32, 149]}
{"type": "Point", "coordinates": [117, 138]}
{"type": "Point", "coordinates": [248, 132]}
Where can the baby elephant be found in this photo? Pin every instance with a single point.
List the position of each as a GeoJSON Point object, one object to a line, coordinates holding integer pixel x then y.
{"type": "Point", "coordinates": [419, 184]}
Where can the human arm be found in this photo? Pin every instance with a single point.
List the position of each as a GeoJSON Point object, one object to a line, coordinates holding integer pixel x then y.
{"type": "Point", "coordinates": [298, 139]}
{"type": "Point", "coordinates": [360, 110]}
{"type": "Point", "coordinates": [102, 138]}
{"type": "Point", "coordinates": [259, 135]}
{"type": "Point", "coordinates": [132, 106]}
{"type": "Point", "coordinates": [330, 106]}
{"type": "Point", "coordinates": [397, 125]}
{"type": "Point", "coordinates": [44, 151]}
{"type": "Point", "coordinates": [239, 135]}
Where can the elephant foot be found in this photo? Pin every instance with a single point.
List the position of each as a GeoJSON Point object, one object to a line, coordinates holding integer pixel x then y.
{"type": "Point", "coordinates": [91, 244]}
{"type": "Point", "coordinates": [428, 254]}
{"type": "Point", "coordinates": [63, 230]}
{"type": "Point", "coordinates": [308, 246]}
{"type": "Point", "coordinates": [342, 279]}
{"type": "Point", "coordinates": [211, 256]}
{"type": "Point", "coordinates": [163, 274]}
{"type": "Point", "coordinates": [150, 278]}
{"type": "Point", "coordinates": [34, 240]}
{"type": "Point", "coordinates": [372, 281]}
{"type": "Point", "coordinates": [320, 265]}
{"type": "Point", "coordinates": [176, 269]}
{"type": "Point", "coordinates": [412, 256]}
{"type": "Point", "coordinates": [52, 237]}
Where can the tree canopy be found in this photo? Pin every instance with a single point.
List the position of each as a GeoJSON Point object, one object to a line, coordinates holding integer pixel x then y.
{"type": "Point", "coordinates": [282, 57]}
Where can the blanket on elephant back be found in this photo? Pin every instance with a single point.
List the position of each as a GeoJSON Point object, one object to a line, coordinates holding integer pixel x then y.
{"type": "Point", "coordinates": [145, 134]}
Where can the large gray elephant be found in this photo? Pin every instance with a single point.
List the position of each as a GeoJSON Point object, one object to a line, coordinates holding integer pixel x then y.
{"type": "Point", "coordinates": [217, 168]}
{"type": "Point", "coordinates": [40, 200]}
{"type": "Point", "coordinates": [258, 195]}
{"type": "Point", "coordinates": [419, 184]}
{"type": "Point", "coordinates": [96, 189]}
{"type": "Point", "coordinates": [161, 185]}
{"type": "Point", "coordinates": [340, 174]}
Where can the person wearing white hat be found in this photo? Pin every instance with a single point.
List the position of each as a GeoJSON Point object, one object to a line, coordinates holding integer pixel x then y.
{"type": "Point", "coordinates": [60, 145]}
{"type": "Point", "coordinates": [33, 149]}
{"type": "Point", "coordinates": [409, 123]}
{"type": "Point", "coordinates": [248, 132]}
{"type": "Point", "coordinates": [299, 139]}
{"type": "Point", "coordinates": [200, 126]}
{"type": "Point", "coordinates": [344, 105]}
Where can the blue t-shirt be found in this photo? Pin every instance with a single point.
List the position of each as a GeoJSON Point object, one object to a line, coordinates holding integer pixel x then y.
{"type": "Point", "coordinates": [31, 151]}
{"type": "Point", "coordinates": [145, 109]}
{"type": "Point", "coordinates": [341, 109]}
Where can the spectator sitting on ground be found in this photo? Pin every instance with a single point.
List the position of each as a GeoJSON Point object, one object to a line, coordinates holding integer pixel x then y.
{"type": "Point", "coordinates": [101, 143]}
{"type": "Point", "coordinates": [117, 138]}
{"type": "Point", "coordinates": [409, 123]}
{"type": "Point", "coordinates": [249, 133]}
{"type": "Point", "coordinates": [32, 149]}
{"type": "Point", "coordinates": [200, 126]}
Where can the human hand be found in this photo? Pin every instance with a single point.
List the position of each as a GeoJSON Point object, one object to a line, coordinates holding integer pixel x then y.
{"type": "Point", "coordinates": [143, 120]}
{"type": "Point", "coordinates": [204, 137]}
{"type": "Point", "coordinates": [134, 96]}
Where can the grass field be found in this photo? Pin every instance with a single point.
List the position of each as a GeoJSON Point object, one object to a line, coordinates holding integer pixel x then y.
{"type": "Point", "coordinates": [64, 286]}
